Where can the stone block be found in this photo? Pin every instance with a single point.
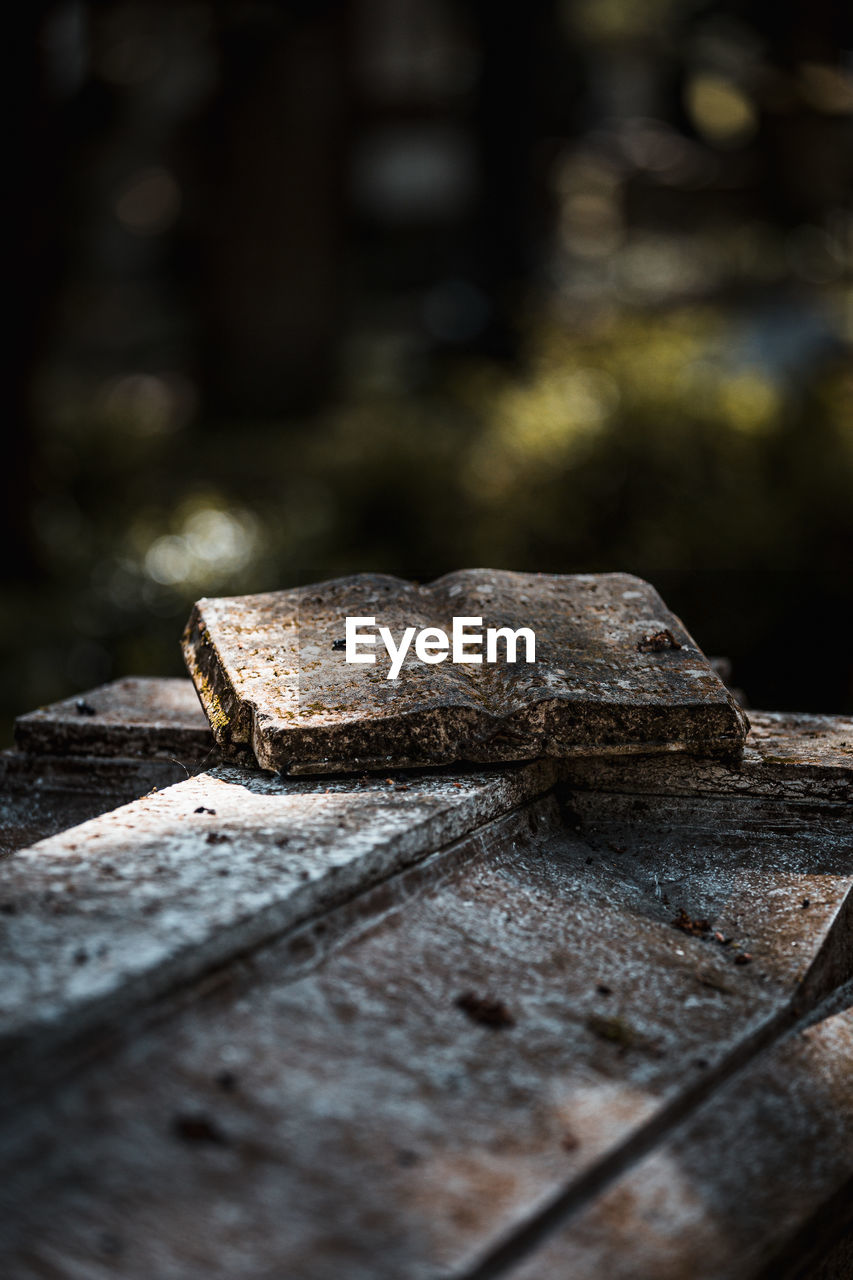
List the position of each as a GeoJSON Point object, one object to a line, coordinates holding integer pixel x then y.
{"type": "Point", "coordinates": [615, 673]}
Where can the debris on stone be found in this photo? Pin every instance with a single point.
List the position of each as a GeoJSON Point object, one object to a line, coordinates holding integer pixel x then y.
{"type": "Point", "coordinates": [197, 1127]}
{"type": "Point", "coordinates": [656, 642]}
{"type": "Point", "coordinates": [697, 928]}
{"type": "Point", "coordinates": [485, 1010]}
{"type": "Point", "coordinates": [129, 718]}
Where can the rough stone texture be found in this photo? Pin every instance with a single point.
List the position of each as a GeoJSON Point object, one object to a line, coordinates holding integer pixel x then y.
{"type": "Point", "coordinates": [113, 912]}
{"type": "Point", "coordinates": [108, 746]}
{"type": "Point", "coordinates": [148, 882]}
{"type": "Point", "coordinates": [134, 717]}
{"type": "Point", "coordinates": [790, 757]}
{"type": "Point", "coordinates": [740, 1190]}
{"type": "Point", "coordinates": [271, 678]}
{"type": "Point", "coordinates": [337, 1106]}
{"type": "Point", "coordinates": [383, 1027]}
{"type": "Point", "coordinates": [27, 817]}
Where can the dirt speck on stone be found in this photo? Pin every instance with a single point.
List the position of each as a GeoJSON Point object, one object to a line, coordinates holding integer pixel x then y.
{"type": "Point", "coordinates": [615, 1030]}
{"type": "Point", "coordinates": [197, 1127]}
{"type": "Point", "coordinates": [696, 928]}
{"type": "Point", "coordinates": [485, 1010]}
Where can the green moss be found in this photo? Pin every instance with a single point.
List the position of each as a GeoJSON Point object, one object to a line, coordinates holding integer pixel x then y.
{"type": "Point", "coordinates": [219, 721]}
{"type": "Point", "coordinates": [616, 1030]}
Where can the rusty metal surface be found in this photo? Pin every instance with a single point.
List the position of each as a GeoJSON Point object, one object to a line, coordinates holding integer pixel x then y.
{"type": "Point", "coordinates": [407, 1082]}
{"type": "Point", "coordinates": [272, 677]}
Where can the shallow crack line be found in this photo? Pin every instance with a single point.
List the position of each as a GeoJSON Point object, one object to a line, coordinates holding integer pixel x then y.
{"type": "Point", "coordinates": [546, 1222]}
{"type": "Point", "coordinates": [826, 990]}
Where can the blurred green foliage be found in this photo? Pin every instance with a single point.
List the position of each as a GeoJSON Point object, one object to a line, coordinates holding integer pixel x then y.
{"type": "Point", "coordinates": [234, 205]}
{"type": "Point", "coordinates": [637, 442]}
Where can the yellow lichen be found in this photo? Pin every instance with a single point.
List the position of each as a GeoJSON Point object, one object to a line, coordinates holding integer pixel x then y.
{"type": "Point", "coordinates": [219, 721]}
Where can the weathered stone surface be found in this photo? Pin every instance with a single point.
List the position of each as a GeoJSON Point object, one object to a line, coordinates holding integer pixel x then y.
{"type": "Point", "coordinates": [272, 677]}
{"type": "Point", "coordinates": [113, 912]}
{"type": "Point", "coordinates": [86, 755]}
{"type": "Point", "coordinates": [806, 758]}
{"type": "Point", "coordinates": [752, 1186]}
{"type": "Point", "coordinates": [339, 1107]}
{"type": "Point", "coordinates": [134, 717]}
{"type": "Point", "coordinates": [159, 861]}
{"type": "Point", "coordinates": [377, 1027]}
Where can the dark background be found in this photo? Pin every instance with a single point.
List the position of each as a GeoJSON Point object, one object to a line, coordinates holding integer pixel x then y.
{"type": "Point", "coordinates": [306, 288]}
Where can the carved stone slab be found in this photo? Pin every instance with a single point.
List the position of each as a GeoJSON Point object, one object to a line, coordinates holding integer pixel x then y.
{"type": "Point", "coordinates": [806, 758]}
{"type": "Point", "coordinates": [615, 673]}
{"type": "Point", "coordinates": [107, 746]}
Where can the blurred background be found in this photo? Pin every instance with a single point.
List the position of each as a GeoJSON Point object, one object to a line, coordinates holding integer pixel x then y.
{"type": "Point", "coordinates": [308, 287]}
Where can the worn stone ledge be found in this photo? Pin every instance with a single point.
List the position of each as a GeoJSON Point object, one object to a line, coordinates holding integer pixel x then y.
{"type": "Point", "coordinates": [136, 835]}
{"type": "Point", "coordinates": [136, 717]}
{"type": "Point", "coordinates": [317, 1067]}
{"type": "Point", "coordinates": [86, 755]}
{"type": "Point", "coordinates": [787, 757]}
{"type": "Point", "coordinates": [124, 778]}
